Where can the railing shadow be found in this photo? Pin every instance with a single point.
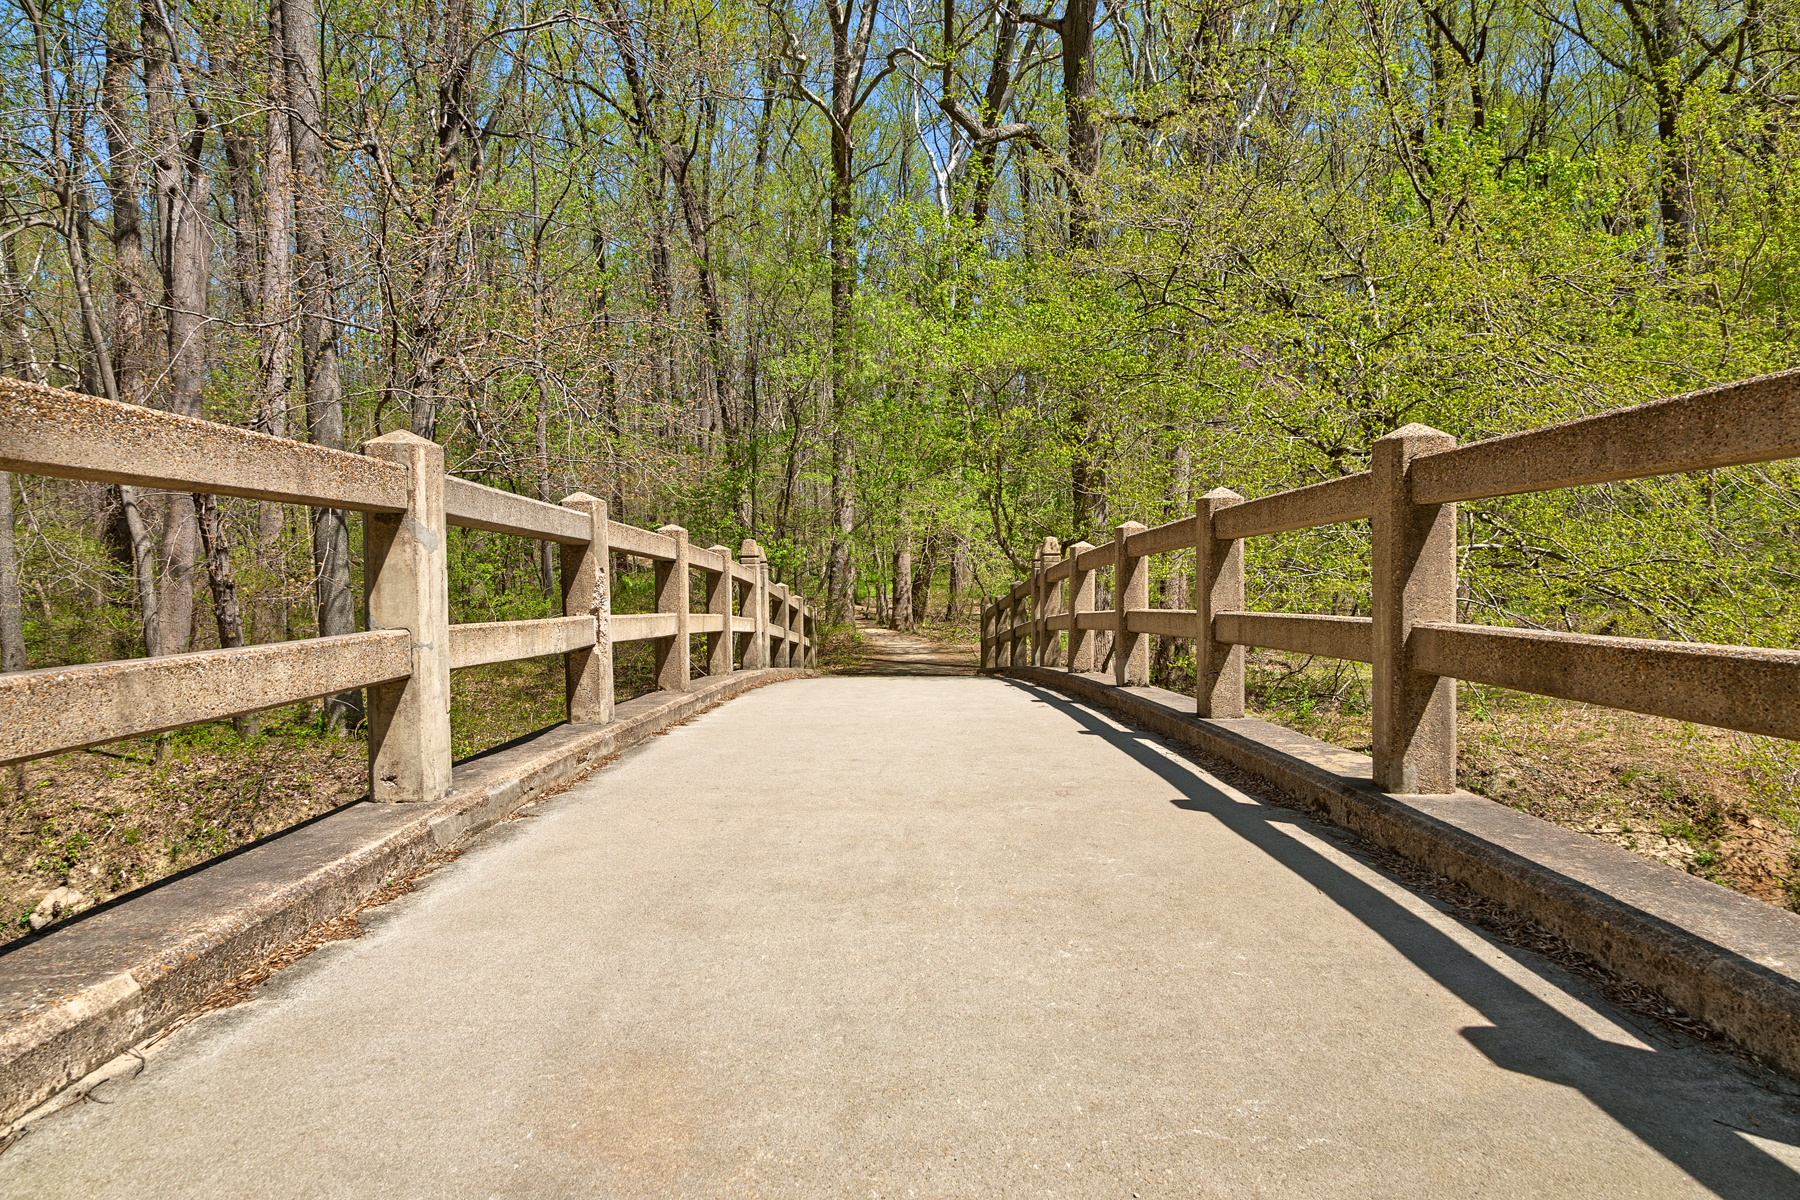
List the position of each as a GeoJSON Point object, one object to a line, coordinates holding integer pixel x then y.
{"type": "Point", "coordinates": [1526, 1035]}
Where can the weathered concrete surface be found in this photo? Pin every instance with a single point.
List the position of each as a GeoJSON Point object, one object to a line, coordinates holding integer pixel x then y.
{"type": "Point", "coordinates": [64, 708]}
{"type": "Point", "coordinates": [1301, 633]}
{"type": "Point", "coordinates": [407, 586]}
{"type": "Point", "coordinates": [1752, 420]}
{"type": "Point", "coordinates": [1009, 948]}
{"type": "Point", "coordinates": [1727, 959]}
{"type": "Point", "coordinates": [474, 505]}
{"type": "Point", "coordinates": [480, 642]}
{"type": "Point", "coordinates": [47, 431]}
{"type": "Point", "coordinates": [73, 998]}
{"type": "Point", "coordinates": [1412, 578]}
{"type": "Point", "coordinates": [1348, 498]}
{"type": "Point", "coordinates": [1735, 687]}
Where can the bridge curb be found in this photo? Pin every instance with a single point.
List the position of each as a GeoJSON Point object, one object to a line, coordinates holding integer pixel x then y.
{"type": "Point", "coordinates": [1730, 961]}
{"type": "Point", "coordinates": [104, 981]}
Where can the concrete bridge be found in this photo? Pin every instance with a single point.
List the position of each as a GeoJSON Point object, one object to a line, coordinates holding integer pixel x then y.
{"type": "Point", "coordinates": [918, 931]}
{"type": "Point", "coordinates": [1010, 946]}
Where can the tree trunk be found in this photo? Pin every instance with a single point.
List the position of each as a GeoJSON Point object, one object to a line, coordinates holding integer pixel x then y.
{"type": "Point", "coordinates": [924, 570]}
{"type": "Point", "coordinates": [333, 600]}
{"type": "Point", "coordinates": [186, 273]}
{"type": "Point", "coordinates": [275, 363]}
{"type": "Point", "coordinates": [431, 289]}
{"type": "Point", "coordinates": [953, 606]}
{"type": "Point", "coordinates": [903, 605]}
{"type": "Point", "coordinates": [850, 35]}
{"type": "Point", "coordinates": [131, 309]}
{"type": "Point", "coordinates": [12, 623]}
{"type": "Point", "coordinates": [223, 586]}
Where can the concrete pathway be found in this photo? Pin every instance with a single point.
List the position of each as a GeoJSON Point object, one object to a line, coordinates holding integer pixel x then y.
{"type": "Point", "coordinates": [917, 937]}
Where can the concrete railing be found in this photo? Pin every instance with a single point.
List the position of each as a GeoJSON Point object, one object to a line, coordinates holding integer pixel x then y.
{"type": "Point", "coordinates": [1413, 641]}
{"type": "Point", "coordinates": [405, 659]}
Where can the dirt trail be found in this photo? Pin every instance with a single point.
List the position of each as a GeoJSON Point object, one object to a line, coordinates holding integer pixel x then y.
{"type": "Point", "coordinates": [885, 652]}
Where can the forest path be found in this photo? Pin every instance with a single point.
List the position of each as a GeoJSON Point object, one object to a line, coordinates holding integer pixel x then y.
{"type": "Point", "coordinates": [916, 936]}
{"type": "Point", "coordinates": [885, 651]}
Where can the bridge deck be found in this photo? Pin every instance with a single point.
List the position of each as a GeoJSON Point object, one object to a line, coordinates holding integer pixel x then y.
{"type": "Point", "coordinates": [917, 936]}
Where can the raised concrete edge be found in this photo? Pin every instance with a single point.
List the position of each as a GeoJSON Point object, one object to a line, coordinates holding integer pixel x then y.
{"type": "Point", "coordinates": [1729, 960]}
{"type": "Point", "coordinates": [85, 992]}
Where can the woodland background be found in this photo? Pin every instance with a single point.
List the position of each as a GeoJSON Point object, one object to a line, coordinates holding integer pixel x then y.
{"type": "Point", "coordinates": [864, 277]}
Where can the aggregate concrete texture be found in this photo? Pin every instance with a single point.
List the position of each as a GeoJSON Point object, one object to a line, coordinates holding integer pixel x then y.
{"type": "Point", "coordinates": [918, 936]}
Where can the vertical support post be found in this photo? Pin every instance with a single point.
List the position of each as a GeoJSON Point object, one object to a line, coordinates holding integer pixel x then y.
{"type": "Point", "coordinates": [1218, 587]}
{"type": "Point", "coordinates": [719, 596]}
{"type": "Point", "coordinates": [407, 586]}
{"type": "Point", "coordinates": [803, 621]}
{"type": "Point", "coordinates": [672, 665]}
{"type": "Point", "coordinates": [1013, 657]}
{"type": "Point", "coordinates": [1413, 580]}
{"type": "Point", "coordinates": [756, 604]}
{"type": "Point", "coordinates": [778, 629]}
{"type": "Point", "coordinates": [1049, 605]}
{"type": "Point", "coordinates": [1131, 589]}
{"type": "Point", "coordinates": [986, 646]}
{"type": "Point", "coordinates": [1035, 612]}
{"type": "Point", "coordinates": [587, 591]}
{"type": "Point", "coordinates": [1081, 600]}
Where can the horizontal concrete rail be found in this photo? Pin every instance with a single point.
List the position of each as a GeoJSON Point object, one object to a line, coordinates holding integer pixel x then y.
{"type": "Point", "coordinates": [1733, 687]}
{"type": "Point", "coordinates": [1300, 633]}
{"type": "Point", "coordinates": [642, 627]}
{"type": "Point", "coordinates": [629, 539]}
{"type": "Point", "coordinates": [1757, 420]}
{"type": "Point", "coordinates": [45, 431]}
{"type": "Point", "coordinates": [66, 708]}
{"type": "Point", "coordinates": [707, 623]}
{"type": "Point", "coordinates": [474, 505]}
{"type": "Point", "coordinates": [1176, 535]}
{"type": "Point", "coordinates": [1417, 651]}
{"type": "Point", "coordinates": [705, 560]}
{"type": "Point", "coordinates": [1350, 498]}
{"type": "Point", "coordinates": [510, 641]}
{"type": "Point", "coordinates": [743, 624]}
{"type": "Point", "coordinates": [1168, 622]}
{"type": "Point", "coordinates": [1103, 555]}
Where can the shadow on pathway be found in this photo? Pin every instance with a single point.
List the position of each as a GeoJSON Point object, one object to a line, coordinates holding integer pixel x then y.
{"type": "Point", "coordinates": [1524, 1034]}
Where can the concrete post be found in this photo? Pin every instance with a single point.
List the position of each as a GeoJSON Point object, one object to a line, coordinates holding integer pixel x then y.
{"type": "Point", "coordinates": [1013, 657]}
{"type": "Point", "coordinates": [756, 605]}
{"type": "Point", "coordinates": [985, 645]}
{"type": "Point", "coordinates": [720, 592]}
{"type": "Point", "coordinates": [1131, 589]}
{"type": "Point", "coordinates": [803, 618]}
{"type": "Point", "coordinates": [1050, 603]}
{"type": "Point", "coordinates": [672, 666]}
{"type": "Point", "coordinates": [1413, 580]}
{"type": "Point", "coordinates": [587, 589]}
{"type": "Point", "coordinates": [1081, 600]}
{"type": "Point", "coordinates": [1218, 587]}
{"type": "Point", "coordinates": [407, 586]}
{"type": "Point", "coordinates": [801, 645]}
{"type": "Point", "coordinates": [1040, 606]}
{"type": "Point", "coordinates": [778, 626]}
